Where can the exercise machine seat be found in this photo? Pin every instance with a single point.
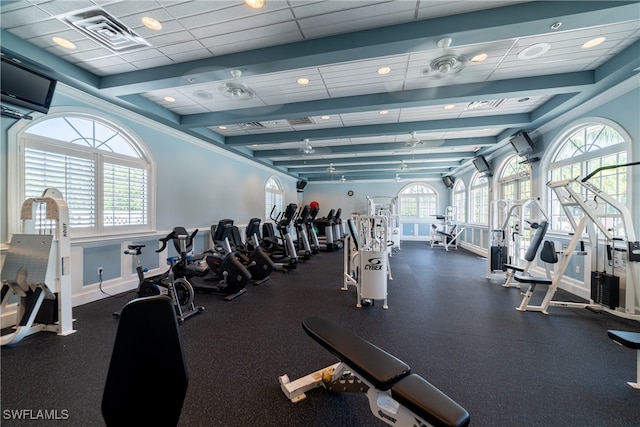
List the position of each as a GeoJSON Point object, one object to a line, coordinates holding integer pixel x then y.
{"type": "Point", "coordinates": [435, 407]}
{"type": "Point", "coordinates": [147, 379]}
{"type": "Point", "coordinates": [547, 254]}
{"type": "Point", "coordinates": [371, 362]}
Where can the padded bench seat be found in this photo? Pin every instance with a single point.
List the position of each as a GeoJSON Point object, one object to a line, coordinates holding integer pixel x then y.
{"type": "Point", "coordinates": [537, 280]}
{"type": "Point", "coordinates": [375, 365]}
{"type": "Point", "coordinates": [513, 267]}
{"type": "Point", "coordinates": [627, 339]}
{"type": "Point", "coordinates": [426, 401]}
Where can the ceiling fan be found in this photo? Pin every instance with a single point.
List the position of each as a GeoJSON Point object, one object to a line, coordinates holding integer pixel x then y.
{"type": "Point", "coordinates": [447, 65]}
{"type": "Point", "coordinates": [307, 148]}
{"type": "Point", "coordinates": [331, 169]}
{"type": "Point", "coordinates": [414, 142]}
{"type": "Point", "coordinates": [403, 166]}
{"type": "Point", "coordinates": [236, 89]}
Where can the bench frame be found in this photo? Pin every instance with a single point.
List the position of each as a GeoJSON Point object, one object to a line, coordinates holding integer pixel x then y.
{"type": "Point", "coordinates": [365, 368]}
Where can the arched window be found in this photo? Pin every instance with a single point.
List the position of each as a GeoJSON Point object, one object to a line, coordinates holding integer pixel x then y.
{"type": "Point", "coordinates": [479, 199]}
{"type": "Point", "coordinates": [515, 185]}
{"type": "Point", "coordinates": [460, 201]}
{"type": "Point", "coordinates": [515, 180]}
{"type": "Point", "coordinates": [581, 150]}
{"type": "Point", "coordinates": [417, 201]}
{"type": "Point", "coordinates": [273, 194]}
{"type": "Point", "coordinates": [102, 172]}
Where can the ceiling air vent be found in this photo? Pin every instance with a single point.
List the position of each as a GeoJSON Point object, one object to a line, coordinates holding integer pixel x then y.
{"type": "Point", "coordinates": [476, 105]}
{"type": "Point", "coordinates": [105, 29]}
{"type": "Point", "coordinates": [300, 121]}
{"type": "Point", "coordinates": [251, 125]}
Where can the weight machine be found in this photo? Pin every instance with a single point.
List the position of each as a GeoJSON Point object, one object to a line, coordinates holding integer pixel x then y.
{"type": "Point", "coordinates": [447, 233]}
{"type": "Point", "coordinates": [387, 206]}
{"type": "Point", "coordinates": [590, 210]}
{"type": "Point", "coordinates": [510, 224]}
{"type": "Point", "coordinates": [36, 269]}
{"type": "Point", "coordinates": [366, 258]}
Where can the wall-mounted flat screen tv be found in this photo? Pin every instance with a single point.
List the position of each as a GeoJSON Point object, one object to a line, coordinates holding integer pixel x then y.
{"type": "Point", "coordinates": [300, 185]}
{"type": "Point", "coordinates": [24, 87]}
{"type": "Point", "coordinates": [522, 143]}
{"type": "Point", "coordinates": [481, 164]}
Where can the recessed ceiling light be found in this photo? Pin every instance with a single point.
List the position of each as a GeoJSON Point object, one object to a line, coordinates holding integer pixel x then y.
{"type": "Point", "coordinates": [479, 57]}
{"type": "Point", "coordinates": [151, 23]}
{"type": "Point", "coordinates": [525, 99]}
{"type": "Point", "coordinates": [556, 25]}
{"type": "Point", "coordinates": [325, 117]}
{"type": "Point", "coordinates": [63, 43]}
{"type": "Point", "coordinates": [384, 70]}
{"type": "Point", "coordinates": [449, 106]}
{"type": "Point", "coordinates": [254, 4]}
{"type": "Point", "coordinates": [222, 127]}
{"type": "Point", "coordinates": [169, 99]}
{"type": "Point", "coordinates": [383, 112]}
{"type": "Point", "coordinates": [303, 81]}
{"type": "Point", "coordinates": [534, 51]}
{"type": "Point", "coordinates": [593, 42]}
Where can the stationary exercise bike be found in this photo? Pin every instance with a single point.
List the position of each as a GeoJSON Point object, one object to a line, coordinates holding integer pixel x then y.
{"type": "Point", "coordinates": [177, 288]}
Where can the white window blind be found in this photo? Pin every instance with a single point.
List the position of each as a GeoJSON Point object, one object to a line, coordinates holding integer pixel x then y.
{"type": "Point", "coordinates": [125, 195]}
{"type": "Point", "coordinates": [73, 176]}
{"type": "Point", "coordinates": [100, 170]}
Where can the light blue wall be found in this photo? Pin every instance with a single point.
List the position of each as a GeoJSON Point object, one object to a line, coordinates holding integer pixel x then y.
{"type": "Point", "coordinates": [334, 195]}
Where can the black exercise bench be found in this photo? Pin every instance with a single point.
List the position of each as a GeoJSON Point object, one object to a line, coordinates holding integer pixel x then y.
{"type": "Point", "coordinates": [398, 396]}
{"type": "Point", "coordinates": [629, 340]}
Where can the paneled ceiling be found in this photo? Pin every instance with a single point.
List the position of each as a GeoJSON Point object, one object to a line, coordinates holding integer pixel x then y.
{"type": "Point", "coordinates": [409, 88]}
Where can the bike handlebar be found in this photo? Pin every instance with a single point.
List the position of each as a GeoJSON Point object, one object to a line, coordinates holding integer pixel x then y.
{"type": "Point", "coordinates": [174, 235]}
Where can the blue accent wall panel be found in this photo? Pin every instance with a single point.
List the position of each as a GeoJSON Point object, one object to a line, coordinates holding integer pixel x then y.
{"type": "Point", "coordinates": [107, 257]}
{"type": "Point", "coordinates": [407, 229]}
{"type": "Point", "coordinates": [424, 229]}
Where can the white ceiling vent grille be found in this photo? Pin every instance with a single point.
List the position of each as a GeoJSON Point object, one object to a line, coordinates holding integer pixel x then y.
{"type": "Point", "coordinates": [476, 105]}
{"type": "Point", "coordinates": [251, 125]}
{"type": "Point", "coordinates": [300, 121]}
{"type": "Point", "coordinates": [105, 29]}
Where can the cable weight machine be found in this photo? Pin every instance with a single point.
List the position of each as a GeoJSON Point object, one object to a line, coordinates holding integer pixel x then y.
{"type": "Point", "coordinates": [594, 215]}
{"type": "Point", "coordinates": [366, 258]}
{"type": "Point", "coordinates": [510, 224]}
{"type": "Point", "coordinates": [36, 270]}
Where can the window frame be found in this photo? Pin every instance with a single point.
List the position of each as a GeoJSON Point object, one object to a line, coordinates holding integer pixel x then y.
{"type": "Point", "coordinates": [277, 192]}
{"type": "Point", "coordinates": [558, 142]}
{"type": "Point", "coordinates": [20, 140]}
{"type": "Point", "coordinates": [460, 211]}
{"type": "Point", "coordinates": [431, 193]}
{"type": "Point", "coordinates": [473, 187]}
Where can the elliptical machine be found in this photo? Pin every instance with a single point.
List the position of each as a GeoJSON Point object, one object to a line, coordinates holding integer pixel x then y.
{"type": "Point", "coordinates": [281, 249]}
{"type": "Point", "coordinates": [209, 272]}
{"type": "Point", "coordinates": [227, 240]}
